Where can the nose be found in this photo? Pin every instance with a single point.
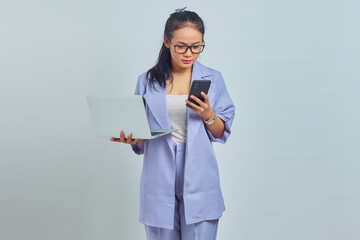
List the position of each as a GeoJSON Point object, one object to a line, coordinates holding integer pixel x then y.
{"type": "Point", "coordinates": [188, 52]}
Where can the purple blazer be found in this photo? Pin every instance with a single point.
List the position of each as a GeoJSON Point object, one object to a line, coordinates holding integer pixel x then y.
{"type": "Point", "coordinates": [202, 195]}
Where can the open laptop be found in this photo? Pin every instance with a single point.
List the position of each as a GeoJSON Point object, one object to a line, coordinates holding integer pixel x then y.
{"type": "Point", "coordinates": [110, 115]}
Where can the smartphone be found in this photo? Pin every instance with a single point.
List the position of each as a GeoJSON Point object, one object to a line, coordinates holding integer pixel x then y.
{"type": "Point", "coordinates": [196, 87]}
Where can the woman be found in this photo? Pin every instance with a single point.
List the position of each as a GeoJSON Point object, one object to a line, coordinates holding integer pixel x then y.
{"type": "Point", "coordinates": [180, 195]}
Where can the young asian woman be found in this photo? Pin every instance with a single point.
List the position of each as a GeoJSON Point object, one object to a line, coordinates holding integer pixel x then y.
{"type": "Point", "coordinates": [180, 194]}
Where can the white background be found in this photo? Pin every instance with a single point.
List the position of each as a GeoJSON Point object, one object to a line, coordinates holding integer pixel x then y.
{"type": "Point", "coordinates": [290, 169]}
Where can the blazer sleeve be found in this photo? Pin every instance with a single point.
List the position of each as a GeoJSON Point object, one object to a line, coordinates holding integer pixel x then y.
{"type": "Point", "coordinates": [224, 109]}
{"type": "Point", "coordinates": [138, 148]}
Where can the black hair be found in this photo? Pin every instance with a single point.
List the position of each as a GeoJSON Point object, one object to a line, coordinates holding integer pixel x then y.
{"type": "Point", "coordinates": [163, 68]}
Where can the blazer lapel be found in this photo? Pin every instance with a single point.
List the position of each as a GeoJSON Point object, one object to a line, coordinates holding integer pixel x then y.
{"type": "Point", "coordinates": [194, 121]}
{"type": "Point", "coordinates": [156, 100]}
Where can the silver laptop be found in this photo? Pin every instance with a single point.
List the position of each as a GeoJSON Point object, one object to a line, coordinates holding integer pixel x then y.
{"type": "Point", "coordinates": [110, 115]}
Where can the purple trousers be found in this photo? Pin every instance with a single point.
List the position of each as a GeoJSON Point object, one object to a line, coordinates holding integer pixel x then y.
{"type": "Point", "coordinates": [205, 230]}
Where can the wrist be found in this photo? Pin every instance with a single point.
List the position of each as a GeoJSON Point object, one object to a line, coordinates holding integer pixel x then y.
{"type": "Point", "coordinates": [208, 116]}
{"type": "Point", "coordinates": [210, 120]}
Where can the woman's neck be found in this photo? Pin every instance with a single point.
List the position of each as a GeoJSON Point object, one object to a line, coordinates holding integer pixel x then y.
{"type": "Point", "coordinates": [182, 72]}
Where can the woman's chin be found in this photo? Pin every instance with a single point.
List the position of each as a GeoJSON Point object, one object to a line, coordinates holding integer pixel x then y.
{"type": "Point", "coordinates": [183, 66]}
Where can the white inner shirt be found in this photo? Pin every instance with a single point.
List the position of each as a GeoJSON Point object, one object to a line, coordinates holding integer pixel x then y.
{"type": "Point", "coordinates": [176, 106]}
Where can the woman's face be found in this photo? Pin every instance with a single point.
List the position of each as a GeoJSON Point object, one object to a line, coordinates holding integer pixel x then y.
{"type": "Point", "coordinates": [186, 36]}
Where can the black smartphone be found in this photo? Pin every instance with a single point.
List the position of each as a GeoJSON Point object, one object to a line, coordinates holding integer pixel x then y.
{"type": "Point", "coordinates": [196, 87]}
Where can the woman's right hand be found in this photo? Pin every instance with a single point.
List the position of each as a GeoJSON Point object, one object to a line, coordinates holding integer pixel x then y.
{"type": "Point", "coordinates": [128, 140]}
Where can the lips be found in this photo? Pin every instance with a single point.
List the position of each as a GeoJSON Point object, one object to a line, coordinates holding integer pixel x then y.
{"type": "Point", "coordinates": [186, 61]}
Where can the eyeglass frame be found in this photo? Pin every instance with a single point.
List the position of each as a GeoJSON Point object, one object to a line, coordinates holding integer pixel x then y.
{"type": "Point", "coordinates": [187, 47]}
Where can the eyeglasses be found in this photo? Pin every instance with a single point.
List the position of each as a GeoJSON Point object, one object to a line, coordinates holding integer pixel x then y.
{"type": "Point", "coordinates": [184, 48]}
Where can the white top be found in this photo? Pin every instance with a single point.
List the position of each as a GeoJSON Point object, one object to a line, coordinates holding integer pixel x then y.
{"type": "Point", "coordinates": [176, 106]}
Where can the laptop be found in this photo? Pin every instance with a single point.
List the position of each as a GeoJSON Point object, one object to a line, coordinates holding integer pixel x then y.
{"type": "Point", "coordinates": [110, 115]}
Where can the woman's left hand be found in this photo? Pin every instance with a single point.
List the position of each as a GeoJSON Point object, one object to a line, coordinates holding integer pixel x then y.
{"type": "Point", "coordinates": [204, 110]}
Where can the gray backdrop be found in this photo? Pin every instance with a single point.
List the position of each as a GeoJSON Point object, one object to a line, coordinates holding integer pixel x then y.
{"type": "Point", "coordinates": [290, 170]}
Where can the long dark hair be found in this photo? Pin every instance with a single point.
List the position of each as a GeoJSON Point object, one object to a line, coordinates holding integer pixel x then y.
{"type": "Point", "coordinates": [162, 69]}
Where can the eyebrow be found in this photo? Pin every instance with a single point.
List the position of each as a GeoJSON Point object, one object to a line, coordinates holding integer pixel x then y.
{"type": "Point", "coordinates": [186, 43]}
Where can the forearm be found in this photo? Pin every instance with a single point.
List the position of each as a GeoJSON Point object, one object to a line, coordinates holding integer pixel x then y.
{"type": "Point", "coordinates": [217, 127]}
